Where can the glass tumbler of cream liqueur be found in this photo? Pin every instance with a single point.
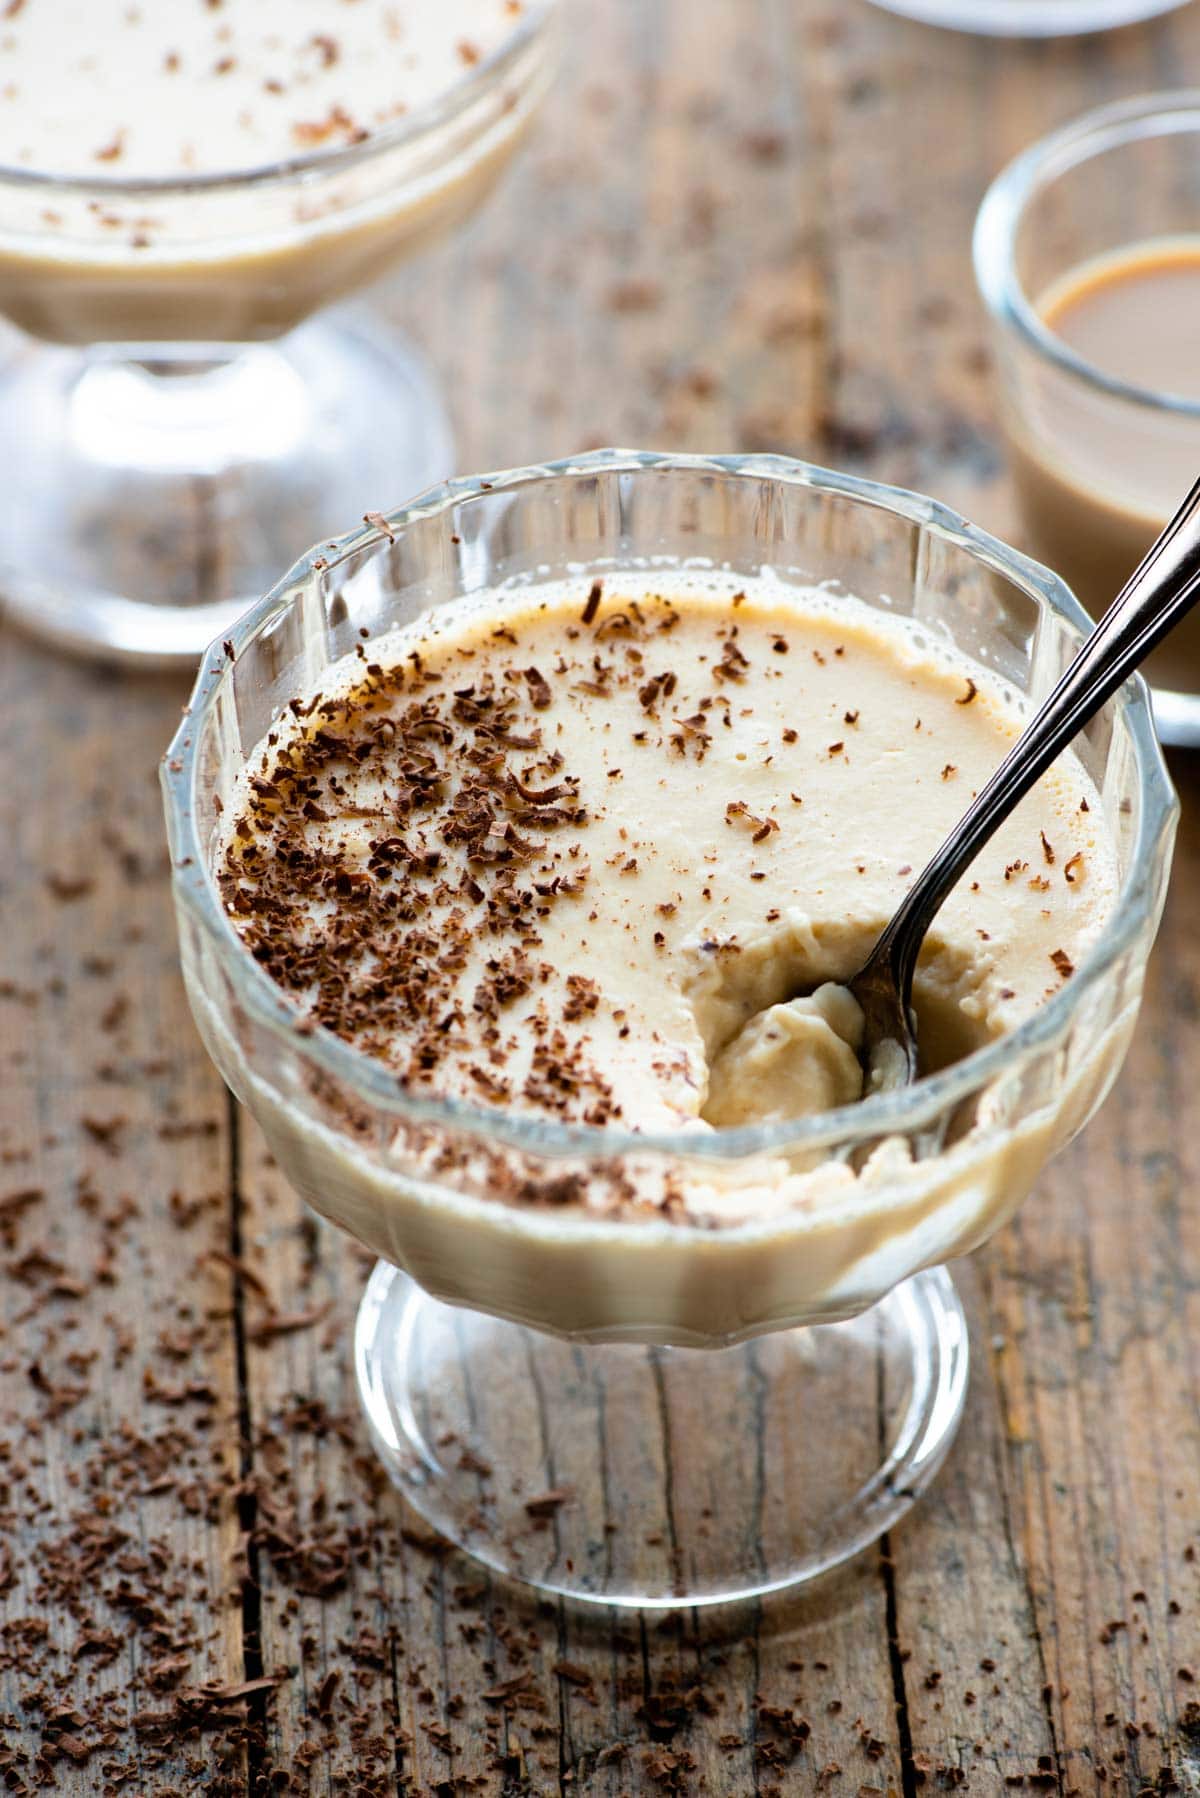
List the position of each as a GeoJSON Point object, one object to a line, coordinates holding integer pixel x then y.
{"type": "Point", "coordinates": [1087, 254]}
{"type": "Point", "coordinates": [186, 190]}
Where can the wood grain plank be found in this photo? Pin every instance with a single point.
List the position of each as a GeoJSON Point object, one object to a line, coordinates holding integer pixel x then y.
{"type": "Point", "coordinates": [1096, 1308]}
{"type": "Point", "coordinates": [120, 1593]}
{"type": "Point", "coordinates": [650, 272]}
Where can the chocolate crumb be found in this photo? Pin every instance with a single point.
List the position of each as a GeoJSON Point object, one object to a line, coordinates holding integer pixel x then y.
{"type": "Point", "coordinates": [545, 1504]}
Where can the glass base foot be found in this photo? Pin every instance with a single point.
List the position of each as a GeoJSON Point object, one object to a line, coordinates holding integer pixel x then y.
{"type": "Point", "coordinates": [1029, 18]}
{"type": "Point", "coordinates": [658, 1477]}
{"type": "Point", "coordinates": [154, 492]}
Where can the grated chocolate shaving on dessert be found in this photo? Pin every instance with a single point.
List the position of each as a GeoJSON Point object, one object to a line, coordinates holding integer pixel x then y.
{"type": "Point", "coordinates": [375, 947]}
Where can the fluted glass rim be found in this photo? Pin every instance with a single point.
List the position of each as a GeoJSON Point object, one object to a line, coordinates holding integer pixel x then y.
{"type": "Point", "coordinates": [1028, 174]}
{"type": "Point", "coordinates": [913, 1108]}
{"type": "Point", "coordinates": [488, 73]}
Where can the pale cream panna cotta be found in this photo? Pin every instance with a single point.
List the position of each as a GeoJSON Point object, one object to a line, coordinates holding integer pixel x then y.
{"type": "Point", "coordinates": [155, 88]}
{"type": "Point", "coordinates": [571, 851]}
{"type": "Point", "coordinates": [147, 133]}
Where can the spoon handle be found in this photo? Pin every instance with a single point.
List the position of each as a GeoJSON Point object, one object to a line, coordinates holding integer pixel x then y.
{"type": "Point", "coordinates": [1159, 592]}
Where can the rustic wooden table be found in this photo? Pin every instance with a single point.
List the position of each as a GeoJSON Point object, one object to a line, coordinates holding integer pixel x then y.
{"type": "Point", "coordinates": [743, 224]}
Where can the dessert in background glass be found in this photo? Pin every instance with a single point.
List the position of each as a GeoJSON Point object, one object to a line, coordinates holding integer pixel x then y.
{"type": "Point", "coordinates": [1087, 254]}
{"type": "Point", "coordinates": [1029, 18]}
{"type": "Point", "coordinates": [770, 1392]}
{"type": "Point", "coordinates": [189, 188]}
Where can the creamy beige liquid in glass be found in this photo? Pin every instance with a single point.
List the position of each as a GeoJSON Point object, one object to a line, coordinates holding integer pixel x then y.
{"type": "Point", "coordinates": [1098, 476]}
{"type": "Point", "coordinates": [576, 857]}
{"type": "Point", "coordinates": [184, 89]}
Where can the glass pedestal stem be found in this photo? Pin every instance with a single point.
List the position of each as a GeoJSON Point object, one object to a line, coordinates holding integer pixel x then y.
{"type": "Point", "coordinates": [651, 1477]}
{"type": "Point", "coordinates": [153, 492]}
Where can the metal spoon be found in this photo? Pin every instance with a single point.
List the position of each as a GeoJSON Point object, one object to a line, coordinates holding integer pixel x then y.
{"type": "Point", "coordinates": [1156, 596]}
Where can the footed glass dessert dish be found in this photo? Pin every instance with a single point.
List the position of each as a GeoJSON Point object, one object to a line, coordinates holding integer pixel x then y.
{"type": "Point", "coordinates": [646, 1368]}
{"type": "Point", "coordinates": [187, 411]}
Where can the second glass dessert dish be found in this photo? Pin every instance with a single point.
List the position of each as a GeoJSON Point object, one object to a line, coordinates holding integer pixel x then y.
{"type": "Point", "coordinates": [680, 1363]}
{"type": "Point", "coordinates": [169, 231]}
